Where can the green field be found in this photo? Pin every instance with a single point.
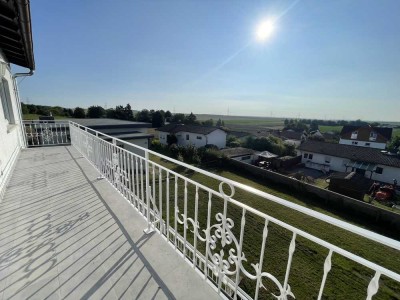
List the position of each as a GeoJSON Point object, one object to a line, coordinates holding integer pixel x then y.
{"type": "Point", "coordinates": [36, 117]}
{"type": "Point", "coordinates": [396, 132]}
{"type": "Point", "coordinates": [325, 128]}
{"type": "Point", "coordinates": [243, 120]}
{"type": "Point", "coordinates": [347, 280]}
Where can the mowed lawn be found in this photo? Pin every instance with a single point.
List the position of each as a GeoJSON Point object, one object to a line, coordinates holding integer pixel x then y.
{"type": "Point", "coordinates": [347, 280]}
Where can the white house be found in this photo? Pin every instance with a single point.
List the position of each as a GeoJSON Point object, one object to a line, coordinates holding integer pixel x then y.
{"type": "Point", "coordinates": [198, 136]}
{"type": "Point", "coordinates": [370, 162]}
{"type": "Point", "coordinates": [365, 136]}
{"type": "Point", "coordinates": [15, 48]}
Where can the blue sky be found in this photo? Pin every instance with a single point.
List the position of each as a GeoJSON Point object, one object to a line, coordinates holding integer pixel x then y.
{"type": "Point", "coordinates": [326, 59]}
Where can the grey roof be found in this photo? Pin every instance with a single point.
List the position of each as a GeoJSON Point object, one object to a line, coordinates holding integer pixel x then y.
{"type": "Point", "coordinates": [355, 153]}
{"type": "Point", "coordinates": [130, 136]}
{"type": "Point", "coordinates": [238, 151]}
{"type": "Point", "coordinates": [175, 128]}
{"type": "Point", "coordinates": [104, 123]}
{"type": "Point", "coordinates": [364, 131]}
{"type": "Point", "coordinates": [267, 154]}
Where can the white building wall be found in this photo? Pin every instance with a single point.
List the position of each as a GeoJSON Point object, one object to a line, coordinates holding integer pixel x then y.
{"type": "Point", "coordinates": [363, 144]}
{"type": "Point", "coordinates": [193, 139]}
{"type": "Point", "coordinates": [217, 138]}
{"type": "Point", "coordinates": [388, 174]}
{"type": "Point", "coordinates": [10, 134]}
{"type": "Point", "coordinates": [163, 137]}
{"type": "Point", "coordinates": [320, 161]}
{"type": "Point", "coordinates": [338, 164]}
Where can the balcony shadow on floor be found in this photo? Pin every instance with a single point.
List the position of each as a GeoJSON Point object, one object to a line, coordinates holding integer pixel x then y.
{"type": "Point", "coordinates": [69, 244]}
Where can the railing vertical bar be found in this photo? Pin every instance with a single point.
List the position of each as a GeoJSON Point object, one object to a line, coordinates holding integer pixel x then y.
{"type": "Point", "coordinates": [176, 210]}
{"type": "Point", "coordinates": [142, 200]}
{"type": "Point", "coordinates": [327, 268]}
{"type": "Point", "coordinates": [147, 190]}
{"type": "Point", "coordinates": [167, 205]}
{"type": "Point", "coordinates": [130, 177]}
{"type": "Point", "coordinates": [208, 234]}
{"type": "Point", "coordinates": [292, 247]}
{"type": "Point", "coordinates": [160, 197]}
{"type": "Point", "coordinates": [196, 209]}
{"type": "Point", "coordinates": [185, 221]}
{"type": "Point", "coordinates": [238, 266]}
{"type": "Point", "coordinates": [261, 262]}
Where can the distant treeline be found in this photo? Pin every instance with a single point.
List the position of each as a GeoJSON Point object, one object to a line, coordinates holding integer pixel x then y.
{"type": "Point", "coordinates": [156, 117]}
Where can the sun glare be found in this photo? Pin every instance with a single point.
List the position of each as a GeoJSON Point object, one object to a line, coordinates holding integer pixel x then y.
{"type": "Point", "coordinates": [264, 30]}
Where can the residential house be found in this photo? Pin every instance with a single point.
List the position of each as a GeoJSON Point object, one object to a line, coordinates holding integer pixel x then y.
{"type": "Point", "coordinates": [291, 137]}
{"type": "Point", "coordinates": [241, 154]}
{"type": "Point", "coordinates": [365, 136]}
{"type": "Point", "coordinates": [370, 162]}
{"type": "Point", "coordinates": [198, 136]}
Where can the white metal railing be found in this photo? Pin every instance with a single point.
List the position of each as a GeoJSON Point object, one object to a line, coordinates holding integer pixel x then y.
{"type": "Point", "coordinates": [46, 133]}
{"type": "Point", "coordinates": [172, 203]}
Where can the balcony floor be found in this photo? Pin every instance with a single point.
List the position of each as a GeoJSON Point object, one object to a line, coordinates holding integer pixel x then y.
{"type": "Point", "coordinates": [66, 235]}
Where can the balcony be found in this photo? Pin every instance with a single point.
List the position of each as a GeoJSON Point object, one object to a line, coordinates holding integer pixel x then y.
{"type": "Point", "coordinates": [88, 218]}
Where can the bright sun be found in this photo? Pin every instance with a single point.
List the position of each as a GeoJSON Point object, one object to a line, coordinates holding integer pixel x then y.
{"type": "Point", "coordinates": [265, 30]}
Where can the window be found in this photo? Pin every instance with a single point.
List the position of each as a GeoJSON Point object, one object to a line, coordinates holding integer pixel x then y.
{"type": "Point", "coordinates": [187, 137]}
{"type": "Point", "coordinates": [355, 143]}
{"type": "Point", "coordinates": [327, 159]}
{"type": "Point", "coordinates": [354, 135]}
{"type": "Point", "coordinates": [367, 144]}
{"type": "Point", "coordinates": [199, 137]}
{"type": "Point", "coordinates": [372, 136]}
{"type": "Point", "coordinates": [246, 157]}
{"type": "Point", "coordinates": [6, 101]}
{"type": "Point", "coordinates": [308, 155]}
{"type": "Point", "coordinates": [379, 170]}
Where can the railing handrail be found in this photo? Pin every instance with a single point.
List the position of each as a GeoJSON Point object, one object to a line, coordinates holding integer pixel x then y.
{"type": "Point", "coordinates": [51, 121]}
{"type": "Point", "coordinates": [131, 172]}
{"type": "Point", "coordinates": [322, 217]}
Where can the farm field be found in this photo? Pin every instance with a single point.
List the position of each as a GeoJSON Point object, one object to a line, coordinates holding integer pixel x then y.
{"type": "Point", "coordinates": [326, 128]}
{"type": "Point", "coordinates": [347, 280]}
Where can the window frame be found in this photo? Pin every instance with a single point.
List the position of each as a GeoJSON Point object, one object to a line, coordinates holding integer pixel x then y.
{"type": "Point", "coordinates": [6, 102]}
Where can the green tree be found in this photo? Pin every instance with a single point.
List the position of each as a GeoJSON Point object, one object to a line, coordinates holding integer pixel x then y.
{"type": "Point", "coordinates": [178, 118]}
{"type": "Point", "coordinates": [167, 116]}
{"type": "Point", "coordinates": [79, 113]}
{"type": "Point", "coordinates": [24, 108]}
{"type": "Point", "coordinates": [157, 119]}
{"type": "Point", "coordinates": [394, 145]}
{"type": "Point", "coordinates": [128, 113]}
{"type": "Point", "coordinates": [110, 113]}
{"type": "Point", "coordinates": [143, 116]}
{"type": "Point", "coordinates": [209, 122]}
{"type": "Point", "coordinates": [190, 119]}
{"type": "Point", "coordinates": [96, 112]}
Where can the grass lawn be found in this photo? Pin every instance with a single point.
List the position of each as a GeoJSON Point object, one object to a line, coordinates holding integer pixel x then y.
{"type": "Point", "coordinates": [396, 132]}
{"type": "Point", "coordinates": [347, 280]}
{"type": "Point", "coordinates": [326, 128]}
{"type": "Point", "coordinates": [36, 117]}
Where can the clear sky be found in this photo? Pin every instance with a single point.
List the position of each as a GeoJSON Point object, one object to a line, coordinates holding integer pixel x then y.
{"type": "Point", "coordinates": [326, 59]}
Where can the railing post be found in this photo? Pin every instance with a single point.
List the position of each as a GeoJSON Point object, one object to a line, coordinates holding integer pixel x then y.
{"type": "Point", "coordinates": [149, 229]}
